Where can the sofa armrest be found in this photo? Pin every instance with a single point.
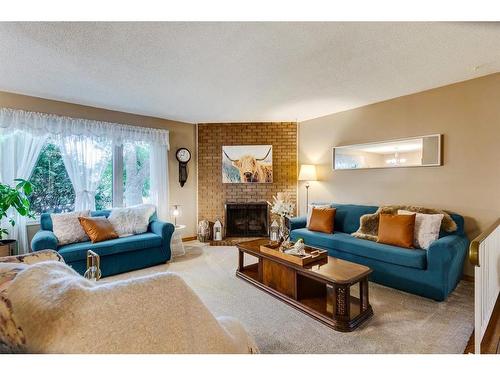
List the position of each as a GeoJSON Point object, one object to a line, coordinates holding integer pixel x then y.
{"type": "Point", "coordinates": [165, 230]}
{"type": "Point", "coordinates": [445, 259]}
{"type": "Point", "coordinates": [297, 222]}
{"type": "Point", "coordinates": [161, 228]}
{"type": "Point", "coordinates": [445, 250]}
{"type": "Point", "coordinates": [44, 240]}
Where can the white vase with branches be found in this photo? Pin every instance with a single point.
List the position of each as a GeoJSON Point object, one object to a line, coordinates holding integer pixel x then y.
{"type": "Point", "coordinates": [283, 207]}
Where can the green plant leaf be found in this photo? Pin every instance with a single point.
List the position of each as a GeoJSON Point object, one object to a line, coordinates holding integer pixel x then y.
{"type": "Point", "coordinates": [15, 198]}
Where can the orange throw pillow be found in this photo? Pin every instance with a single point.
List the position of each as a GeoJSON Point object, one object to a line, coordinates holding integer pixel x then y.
{"type": "Point", "coordinates": [397, 230]}
{"type": "Point", "coordinates": [98, 228]}
{"type": "Point", "coordinates": [322, 220]}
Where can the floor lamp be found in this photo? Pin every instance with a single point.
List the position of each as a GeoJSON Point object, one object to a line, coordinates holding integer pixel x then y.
{"type": "Point", "coordinates": [307, 173]}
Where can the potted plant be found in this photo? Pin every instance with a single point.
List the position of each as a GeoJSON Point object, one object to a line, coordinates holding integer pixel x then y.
{"type": "Point", "coordinates": [15, 198]}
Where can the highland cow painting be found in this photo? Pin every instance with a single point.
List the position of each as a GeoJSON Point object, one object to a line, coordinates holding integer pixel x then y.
{"type": "Point", "coordinates": [247, 164]}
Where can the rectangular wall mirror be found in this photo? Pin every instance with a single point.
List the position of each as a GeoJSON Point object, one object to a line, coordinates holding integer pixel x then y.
{"type": "Point", "coordinates": [424, 151]}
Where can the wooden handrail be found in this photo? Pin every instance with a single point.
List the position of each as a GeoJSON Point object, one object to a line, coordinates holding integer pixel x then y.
{"type": "Point", "coordinates": [474, 245]}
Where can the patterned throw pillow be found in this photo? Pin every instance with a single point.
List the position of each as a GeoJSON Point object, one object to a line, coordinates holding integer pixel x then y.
{"type": "Point", "coordinates": [427, 228]}
{"type": "Point", "coordinates": [67, 228]}
{"type": "Point", "coordinates": [12, 339]}
{"type": "Point", "coordinates": [8, 272]}
{"type": "Point", "coordinates": [32, 258]}
{"type": "Point", "coordinates": [131, 220]}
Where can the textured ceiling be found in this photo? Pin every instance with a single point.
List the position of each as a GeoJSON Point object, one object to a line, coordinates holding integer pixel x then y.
{"type": "Point", "coordinates": [223, 72]}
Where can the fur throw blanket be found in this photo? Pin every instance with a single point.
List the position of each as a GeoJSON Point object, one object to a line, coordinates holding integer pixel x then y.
{"type": "Point", "coordinates": [368, 228]}
{"type": "Point", "coordinates": [62, 312]}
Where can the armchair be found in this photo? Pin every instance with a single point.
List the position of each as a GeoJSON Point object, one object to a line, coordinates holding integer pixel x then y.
{"type": "Point", "coordinates": [53, 310]}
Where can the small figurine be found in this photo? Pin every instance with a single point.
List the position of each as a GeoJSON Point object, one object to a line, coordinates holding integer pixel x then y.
{"type": "Point", "coordinates": [297, 249]}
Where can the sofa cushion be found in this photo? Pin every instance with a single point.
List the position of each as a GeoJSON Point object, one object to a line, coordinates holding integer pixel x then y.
{"type": "Point", "coordinates": [311, 238]}
{"type": "Point", "coordinates": [131, 220]}
{"type": "Point", "coordinates": [415, 258]}
{"type": "Point", "coordinates": [98, 228]}
{"type": "Point", "coordinates": [427, 228]}
{"type": "Point", "coordinates": [347, 216]}
{"type": "Point", "coordinates": [397, 230]}
{"type": "Point", "coordinates": [344, 242]}
{"type": "Point", "coordinates": [310, 210]}
{"type": "Point", "coordinates": [322, 220]}
{"type": "Point", "coordinates": [78, 251]}
{"type": "Point", "coordinates": [67, 228]}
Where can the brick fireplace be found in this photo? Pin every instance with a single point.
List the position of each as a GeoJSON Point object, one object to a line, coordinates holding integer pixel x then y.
{"type": "Point", "coordinates": [214, 196]}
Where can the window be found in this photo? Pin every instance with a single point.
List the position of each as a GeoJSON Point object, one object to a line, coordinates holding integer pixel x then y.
{"type": "Point", "coordinates": [136, 180]}
{"type": "Point", "coordinates": [53, 191]}
{"type": "Point", "coordinates": [104, 192]}
{"type": "Point", "coordinates": [52, 188]}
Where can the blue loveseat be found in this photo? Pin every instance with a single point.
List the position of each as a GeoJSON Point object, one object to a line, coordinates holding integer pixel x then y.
{"type": "Point", "coordinates": [118, 255]}
{"type": "Point", "coordinates": [432, 273]}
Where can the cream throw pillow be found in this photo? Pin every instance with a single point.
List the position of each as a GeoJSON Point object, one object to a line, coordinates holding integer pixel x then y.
{"type": "Point", "coordinates": [427, 228]}
{"type": "Point", "coordinates": [131, 220]}
{"type": "Point", "coordinates": [310, 210]}
{"type": "Point", "coordinates": [67, 228]}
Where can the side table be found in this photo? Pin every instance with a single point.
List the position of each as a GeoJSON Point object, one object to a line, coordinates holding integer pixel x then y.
{"type": "Point", "coordinates": [176, 245]}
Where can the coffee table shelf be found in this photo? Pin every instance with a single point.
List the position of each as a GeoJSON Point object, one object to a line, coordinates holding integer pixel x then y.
{"type": "Point", "coordinates": [320, 290]}
{"type": "Point", "coordinates": [251, 271]}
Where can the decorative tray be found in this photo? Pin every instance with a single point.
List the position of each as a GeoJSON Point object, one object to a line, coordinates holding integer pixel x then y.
{"type": "Point", "coordinates": [312, 255]}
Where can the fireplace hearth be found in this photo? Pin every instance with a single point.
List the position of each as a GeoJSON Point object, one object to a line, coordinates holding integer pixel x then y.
{"type": "Point", "coordinates": [247, 219]}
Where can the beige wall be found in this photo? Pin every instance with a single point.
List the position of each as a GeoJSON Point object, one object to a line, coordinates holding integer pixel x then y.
{"type": "Point", "coordinates": [181, 135]}
{"type": "Point", "coordinates": [467, 113]}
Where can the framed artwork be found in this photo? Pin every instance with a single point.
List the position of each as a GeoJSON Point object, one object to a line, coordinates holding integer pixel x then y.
{"type": "Point", "coordinates": [247, 164]}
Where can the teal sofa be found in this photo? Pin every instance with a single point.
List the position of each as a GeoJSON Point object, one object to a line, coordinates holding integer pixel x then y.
{"type": "Point", "coordinates": [432, 273]}
{"type": "Point", "coordinates": [118, 255]}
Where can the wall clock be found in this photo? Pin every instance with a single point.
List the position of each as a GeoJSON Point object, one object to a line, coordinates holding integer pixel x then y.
{"type": "Point", "coordinates": [183, 156]}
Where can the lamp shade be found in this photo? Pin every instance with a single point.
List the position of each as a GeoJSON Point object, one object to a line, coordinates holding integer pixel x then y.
{"type": "Point", "coordinates": [307, 172]}
{"type": "Point", "coordinates": [175, 210]}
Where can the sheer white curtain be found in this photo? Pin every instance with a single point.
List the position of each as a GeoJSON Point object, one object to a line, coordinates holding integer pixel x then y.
{"type": "Point", "coordinates": [19, 151]}
{"type": "Point", "coordinates": [158, 166]}
{"type": "Point", "coordinates": [42, 123]}
{"type": "Point", "coordinates": [136, 161]}
{"type": "Point", "coordinates": [86, 146]}
{"type": "Point", "coordinates": [85, 159]}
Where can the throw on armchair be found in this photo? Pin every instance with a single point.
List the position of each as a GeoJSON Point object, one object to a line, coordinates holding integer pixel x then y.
{"type": "Point", "coordinates": [117, 256]}
{"type": "Point", "coordinates": [49, 308]}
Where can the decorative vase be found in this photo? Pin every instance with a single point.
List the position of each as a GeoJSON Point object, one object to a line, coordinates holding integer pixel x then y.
{"type": "Point", "coordinates": [204, 231]}
{"type": "Point", "coordinates": [284, 232]}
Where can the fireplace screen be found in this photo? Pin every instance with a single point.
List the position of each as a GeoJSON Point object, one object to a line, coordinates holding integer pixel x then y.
{"type": "Point", "coordinates": [247, 219]}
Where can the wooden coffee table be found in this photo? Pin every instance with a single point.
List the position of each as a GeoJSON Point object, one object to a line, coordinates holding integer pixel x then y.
{"type": "Point", "coordinates": [321, 290]}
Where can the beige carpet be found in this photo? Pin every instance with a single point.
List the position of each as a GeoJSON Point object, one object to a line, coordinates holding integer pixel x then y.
{"type": "Point", "coordinates": [402, 322]}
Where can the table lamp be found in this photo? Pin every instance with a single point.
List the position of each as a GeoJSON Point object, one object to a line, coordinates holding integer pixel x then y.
{"type": "Point", "coordinates": [307, 173]}
{"type": "Point", "coordinates": [175, 212]}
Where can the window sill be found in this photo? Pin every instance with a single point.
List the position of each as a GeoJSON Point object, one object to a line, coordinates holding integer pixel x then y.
{"type": "Point", "coordinates": [33, 222]}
